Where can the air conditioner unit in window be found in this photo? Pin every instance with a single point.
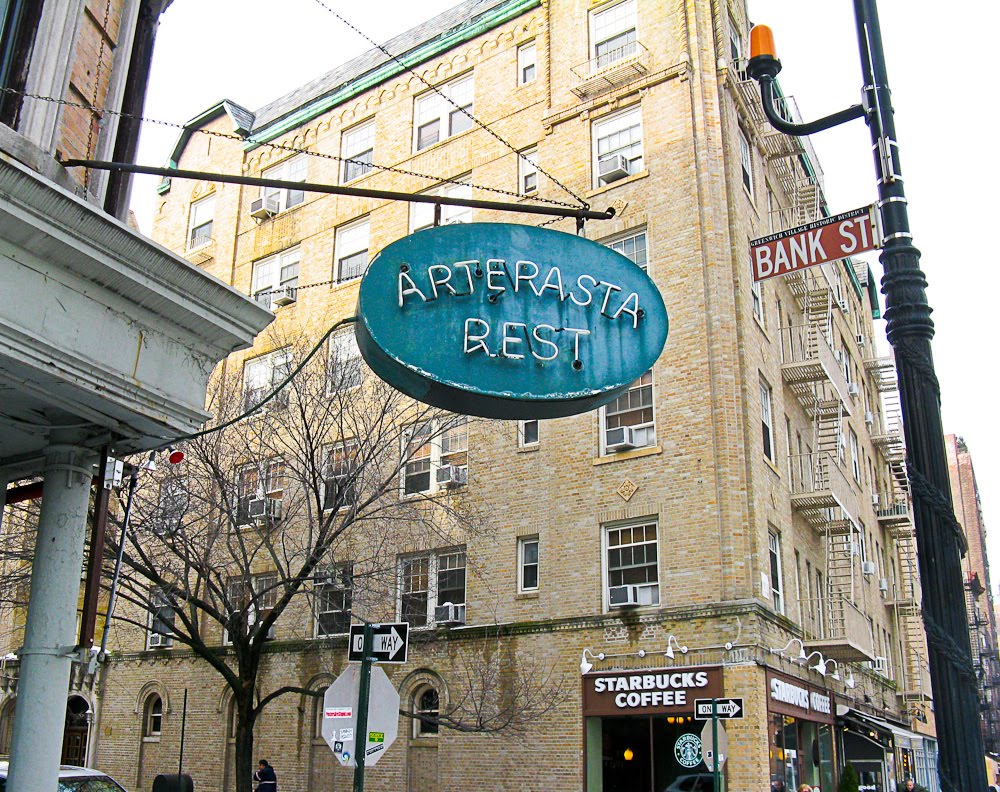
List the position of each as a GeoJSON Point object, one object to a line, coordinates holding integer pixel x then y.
{"type": "Point", "coordinates": [853, 389]}
{"type": "Point", "coordinates": [623, 596]}
{"type": "Point", "coordinates": [612, 168]}
{"type": "Point", "coordinates": [449, 613]}
{"type": "Point", "coordinates": [844, 306]}
{"type": "Point", "coordinates": [875, 499]}
{"type": "Point", "coordinates": [621, 438]}
{"type": "Point", "coordinates": [284, 295]}
{"type": "Point", "coordinates": [869, 417]}
{"type": "Point", "coordinates": [883, 585]}
{"type": "Point", "coordinates": [880, 664]}
{"type": "Point", "coordinates": [452, 476]}
{"type": "Point", "coordinates": [263, 509]}
{"type": "Point", "coordinates": [263, 208]}
{"type": "Point", "coordinates": [867, 568]}
{"type": "Point", "coordinates": [257, 507]}
{"type": "Point", "coordinates": [860, 338]}
{"type": "Point", "coordinates": [158, 640]}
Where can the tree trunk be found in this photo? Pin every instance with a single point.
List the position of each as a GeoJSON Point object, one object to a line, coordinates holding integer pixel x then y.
{"type": "Point", "coordinates": [243, 749]}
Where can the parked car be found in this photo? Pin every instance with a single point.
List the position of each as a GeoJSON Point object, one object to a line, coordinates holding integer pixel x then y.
{"type": "Point", "coordinates": [696, 782]}
{"type": "Point", "coordinates": [75, 779]}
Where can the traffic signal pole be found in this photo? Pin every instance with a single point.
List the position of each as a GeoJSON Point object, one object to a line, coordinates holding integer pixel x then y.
{"type": "Point", "coordinates": [940, 540]}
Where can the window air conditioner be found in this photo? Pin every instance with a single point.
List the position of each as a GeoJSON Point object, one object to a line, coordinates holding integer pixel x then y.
{"type": "Point", "coordinates": [257, 507]}
{"type": "Point", "coordinates": [612, 168]}
{"type": "Point", "coordinates": [619, 439]}
{"type": "Point", "coordinates": [883, 585]}
{"type": "Point", "coordinates": [449, 613]}
{"type": "Point", "coordinates": [160, 640]}
{"type": "Point", "coordinates": [284, 295]}
{"type": "Point", "coordinates": [843, 305]}
{"type": "Point", "coordinates": [880, 664]}
{"type": "Point", "coordinates": [875, 499]}
{"type": "Point", "coordinates": [853, 389]}
{"type": "Point", "coordinates": [263, 208]}
{"type": "Point", "coordinates": [260, 509]}
{"type": "Point", "coordinates": [452, 476]}
{"type": "Point", "coordinates": [623, 596]}
{"type": "Point", "coordinates": [869, 417]}
{"type": "Point", "coordinates": [867, 568]}
{"type": "Point", "coordinates": [860, 338]}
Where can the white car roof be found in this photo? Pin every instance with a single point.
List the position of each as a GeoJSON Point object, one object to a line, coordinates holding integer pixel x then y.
{"type": "Point", "coordinates": [65, 771]}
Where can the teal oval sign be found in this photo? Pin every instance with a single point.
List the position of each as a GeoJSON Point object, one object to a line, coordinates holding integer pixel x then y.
{"type": "Point", "coordinates": [508, 321]}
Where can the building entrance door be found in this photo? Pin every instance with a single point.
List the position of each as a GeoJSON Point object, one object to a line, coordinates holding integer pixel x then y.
{"type": "Point", "coordinates": [74, 749]}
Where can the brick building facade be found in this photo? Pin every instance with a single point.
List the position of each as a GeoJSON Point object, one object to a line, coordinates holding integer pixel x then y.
{"type": "Point", "coordinates": [747, 498]}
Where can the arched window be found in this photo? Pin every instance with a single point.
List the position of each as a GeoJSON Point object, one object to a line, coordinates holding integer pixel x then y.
{"type": "Point", "coordinates": [426, 704]}
{"type": "Point", "coordinates": [152, 718]}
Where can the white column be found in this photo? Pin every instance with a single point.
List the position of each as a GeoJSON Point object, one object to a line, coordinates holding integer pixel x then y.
{"type": "Point", "coordinates": [50, 630]}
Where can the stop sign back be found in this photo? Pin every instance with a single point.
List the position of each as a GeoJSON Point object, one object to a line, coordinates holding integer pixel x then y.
{"type": "Point", "coordinates": [340, 717]}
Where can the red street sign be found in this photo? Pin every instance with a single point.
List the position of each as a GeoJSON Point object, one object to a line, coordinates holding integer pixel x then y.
{"type": "Point", "coordinates": [827, 239]}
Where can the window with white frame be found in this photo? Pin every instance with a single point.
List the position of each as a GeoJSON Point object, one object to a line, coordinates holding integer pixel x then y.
{"type": "Point", "coordinates": [613, 33]}
{"type": "Point", "coordinates": [351, 249]}
{"type": "Point", "coordinates": [746, 162]}
{"type": "Point", "coordinates": [757, 295]}
{"type": "Point", "coordinates": [527, 165]}
{"type": "Point", "coordinates": [333, 591]}
{"type": "Point", "coordinates": [340, 468]}
{"type": "Point", "coordinates": [161, 620]}
{"type": "Point", "coordinates": [633, 246]}
{"type": "Point", "coordinates": [632, 559]}
{"type": "Point", "coordinates": [200, 222]}
{"type": "Point", "coordinates": [152, 717]}
{"type": "Point", "coordinates": [293, 169]}
{"type": "Point", "coordinates": [526, 63]}
{"type": "Point", "coordinates": [357, 147]}
{"type": "Point", "coordinates": [251, 599]}
{"type": "Point", "coordinates": [260, 489]}
{"type": "Point", "coordinates": [735, 44]}
{"type": "Point", "coordinates": [422, 214]}
{"type": "Point", "coordinates": [276, 275]}
{"type": "Point", "coordinates": [428, 580]}
{"type": "Point", "coordinates": [441, 113]}
{"type": "Point", "coordinates": [436, 456]}
{"type": "Point", "coordinates": [766, 420]}
{"type": "Point", "coordinates": [527, 563]}
{"type": "Point", "coordinates": [426, 707]}
{"type": "Point", "coordinates": [345, 367]}
{"type": "Point", "coordinates": [172, 506]}
{"type": "Point", "coordinates": [774, 555]}
{"type": "Point", "coordinates": [262, 375]}
{"type": "Point", "coordinates": [618, 145]}
{"type": "Point", "coordinates": [855, 455]}
{"type": "Point", "coordinates": [628, 422]}
{"type": "Point", "coordinates": [527, 433]}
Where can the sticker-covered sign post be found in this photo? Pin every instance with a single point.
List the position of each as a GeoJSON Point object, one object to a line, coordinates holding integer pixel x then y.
{"type": "Point", "coordinates": [508, 321]}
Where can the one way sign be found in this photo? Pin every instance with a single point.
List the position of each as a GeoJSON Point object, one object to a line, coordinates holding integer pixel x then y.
{"type": "Point", "coordinates": [389, 642]}
{"type": "Point", "coordinates": [724, 708]}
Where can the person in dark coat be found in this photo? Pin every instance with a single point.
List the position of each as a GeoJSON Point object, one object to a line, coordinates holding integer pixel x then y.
{"type": "Point", "coordinates": [266, 780]}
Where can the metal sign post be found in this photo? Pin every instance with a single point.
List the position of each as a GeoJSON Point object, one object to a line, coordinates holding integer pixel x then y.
{"type": "Point", "coordinates": [363, 688]}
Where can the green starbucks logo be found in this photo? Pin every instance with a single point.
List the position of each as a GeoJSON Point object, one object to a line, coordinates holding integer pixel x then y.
{"type": "Point", "coordinates": [687, 750]}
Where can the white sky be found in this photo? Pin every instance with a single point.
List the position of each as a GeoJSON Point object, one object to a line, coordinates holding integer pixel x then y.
{"type": "Point", "coordinates": [939, 64]}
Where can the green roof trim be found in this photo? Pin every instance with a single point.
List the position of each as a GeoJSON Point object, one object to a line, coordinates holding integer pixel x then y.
{"type": "Point", "coordinates": [389, 70]}
{"type": "Point", "coordinates": [237, 113]}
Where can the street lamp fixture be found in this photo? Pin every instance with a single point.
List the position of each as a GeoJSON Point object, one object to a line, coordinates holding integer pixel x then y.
{"type": "Point", "coordinates": [787, 646]}
{"type": "Point", "coordinates": [820, 666]}
{"type": "Point", "coordinates": [670, 649]}
{"type": "Point", "coordinates": [585, 666]}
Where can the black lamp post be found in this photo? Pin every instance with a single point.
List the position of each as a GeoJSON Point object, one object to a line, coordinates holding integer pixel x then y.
{"type": "Point", "coordinates": [940, 541]}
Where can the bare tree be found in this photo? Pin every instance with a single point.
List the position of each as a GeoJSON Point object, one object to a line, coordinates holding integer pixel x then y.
{"type": "Point", "coordinates": [308, 502]}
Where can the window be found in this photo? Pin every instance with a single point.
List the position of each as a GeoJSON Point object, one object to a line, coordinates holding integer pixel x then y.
{"type": "Point", "coordinates": [527, 165]}
{"type": "Point", "coordinates": [434, 463]}
{"type": "Point", "coordinates": [618, 146]}
{"type": "Point", "coordinates": [340, 486]}
{"type": "Point", "coordinates": [357, 147]}
{"type": "Point", "coordinates": [766, 420]}
{"type": "Point", "coordinates": [628, 420]}
{"type": "Point", "coordinates": [746, 162]}
{"type": "Point", "coordinates": [161, 620]}
{"type": "Point", "coordinates": [334, 590]}
{"type": "Point", "coordinates": [526, 63]}
{"type": "Point", "coordinates": [422, 214]}
{"type": "Point", "coordinates": [855, 459]}
{"type": "Point", "coordinates": [428, 580]}
{"type": "Point", "coordinates": [527, 433]}
{"type": "Point", "coordinates": [250, 599]}
{"type": "Point", "coordinates": [633, 247]}
{"type": "Point", "coordinates": [200, 222]}
{"type": "Point", "coordinates": [152, 717]}
{"type": "Point", "coordinates": [774, 552]}
{"type": "Point", "coordinates": [345, 367]}
{"type": "Point", "coordinates": [735, 42]}
{"type": "Point", "coordinates": [757, 295]}
{"type": "Point", "coordinates": [527, 563]}
{"type": "Point", "coordinates": [352, 250]}
{"type": "Point", "coordinates": [262, 375]}
{"type": "Point", "coordinates": [172, 506]}
{"type": "Point", "coordinates": [612, 33]}
{"type": "Point", "coordinates": [293, 169]}
{"type": "Point", "coordinates": [260, 490]}
{"type": "Point", "coordinates": [632, 559]}
{"type": "Point", "coordinates": [444, 112]}
{"type": "Point", "coordinates": [426, 706]}
{"type": "Point", "coordinates": [274, 274]}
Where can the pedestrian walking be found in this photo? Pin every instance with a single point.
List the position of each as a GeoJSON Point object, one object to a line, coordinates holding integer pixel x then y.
{"type": "Point", "coordinates": [264, 775]}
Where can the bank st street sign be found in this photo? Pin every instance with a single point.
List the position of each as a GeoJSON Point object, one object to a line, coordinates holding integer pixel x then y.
{"type": "Point", "coordinates": [508, 321]}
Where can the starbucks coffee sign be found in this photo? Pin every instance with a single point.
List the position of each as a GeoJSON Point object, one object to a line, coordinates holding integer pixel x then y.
{"type": "Point", "coordinates": [508, 321]}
